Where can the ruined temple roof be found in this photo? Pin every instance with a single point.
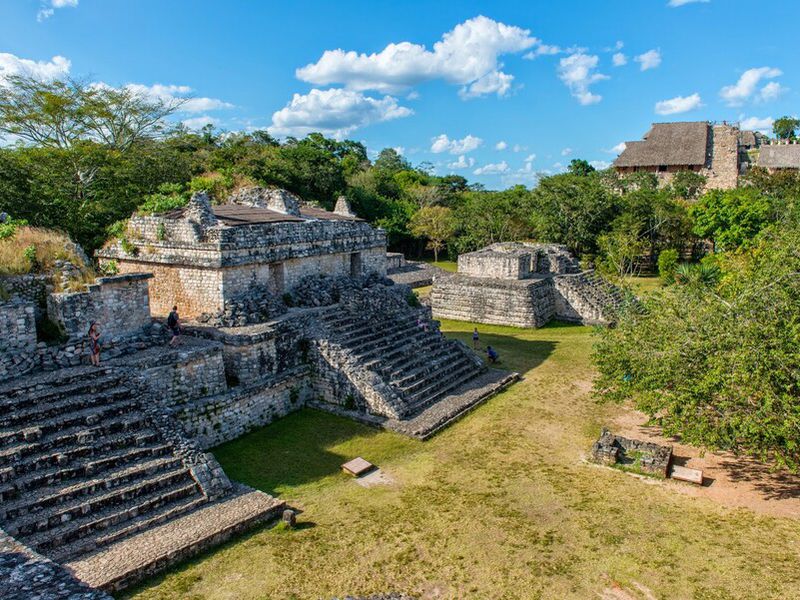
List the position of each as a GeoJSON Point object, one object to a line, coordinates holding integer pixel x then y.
{"type": "Point", "coordinates": [779, 156]}
{"type": "Point", "coordinates": [233, 215]}
{"type": "Point", "coordinates": [683, 143]}
{"type": "Point", "coordinates": [748, 138]}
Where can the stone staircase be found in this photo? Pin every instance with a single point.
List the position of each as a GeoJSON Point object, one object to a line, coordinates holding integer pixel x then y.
{"type": "Point", "coordinates": [83, 464]}
{"type": "Point", "coordinates": [593, 299]}
{"type": "Point", "coordinates": [395, 351]}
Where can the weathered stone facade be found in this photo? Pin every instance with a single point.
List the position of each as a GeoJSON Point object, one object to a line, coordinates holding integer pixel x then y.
{"type": "Point", "coordinates": [18, 333]}
{"type": "Point", "coordinates": [630, 454]}
{"type": "Point", "coordinates": [522, 285]}
{"type": "Point", "coordinates": [204, 256]}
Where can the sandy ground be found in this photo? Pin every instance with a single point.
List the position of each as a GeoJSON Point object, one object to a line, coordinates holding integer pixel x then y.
{"type": "Point", "coordinates": [733, 481]}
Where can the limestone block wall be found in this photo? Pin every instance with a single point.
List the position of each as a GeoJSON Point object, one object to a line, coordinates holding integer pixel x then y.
{"type": "Point", "coordinates": [579, 301]}
{"type": "Point", "coordinates": [194, 290]}
{"type": "Point", "coordinates": [525, 303]}
{"type": "Point", "coordinates": [724, 172]}
{"type": "Point", "coordinates": [498, 265]}
{"type": "Point", "coordinates": [395, 260]}
{"type": "Point", "coordinates": [213, 420]}
{"type": "Point", "coordinates": [18, 335]}
{"type": "Point", "coordinates": [119, 304]}
{"type": "Point", "coordinates": [195, 375]}
{"type": "Point", "coordinates": [29, 288]}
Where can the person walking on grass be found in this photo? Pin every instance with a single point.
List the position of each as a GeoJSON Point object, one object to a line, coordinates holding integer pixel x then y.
{"type": "Point", "coordinates": [174, 325]}
{"type": "Point", "coordinates": [94, 343]}
{"type": "Point", "coordinates": [475, 339]}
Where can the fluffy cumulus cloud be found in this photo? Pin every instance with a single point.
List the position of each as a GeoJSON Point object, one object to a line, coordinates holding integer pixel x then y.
{"type": "Point", "coordinates": [619, 59]}
{"type": "Point", "coordinates": [492, 169]}
{"type": "Point", "coordinates": [677, 3]}
{"type": "Point", "coordinates": [48, 8]}
{"type": "Point", "coordinates": [749, 86]}
{"type": "Point", "coordinates": [678, 104]}
{"type": "Point", "coordinates": [600, 165]}
{"type": "Point", "coordinates": [577, 71]}
{"type": "Point", "coordinates": [463, 162]}
{"type": "Point", "coordinates": [501, 145]}
{"type": "Point", "coordinates": [196, 123]}
{"type": "Point", "coordinates": [442, 143]}
{"type": "Point", "coordinates": [762, 124]}
{"type": "Point", "coordinates": [58, 66]}
{"type": "Point", "coordinates": [525, 174]}
{"type": "Point", "coordinates": [334, 112]}
{"type": "Point", "coordinates": [618, 149]}
{"type": "Point", "coordinates": [467, 56]}
{"type": "Point", "coordinates": [649, 60]}
{"type": "Point", "coordinates": [178, 93]}
{"type": "Point", "coordinates": [566, 152]}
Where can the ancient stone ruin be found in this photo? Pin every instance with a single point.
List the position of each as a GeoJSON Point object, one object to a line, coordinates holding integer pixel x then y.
{"type": "Point", "coordinates": [524, 285]}
{"type": "Point", "coordinates": [633, 455]}
{"type": "Point", "coordinates": [105, 470]}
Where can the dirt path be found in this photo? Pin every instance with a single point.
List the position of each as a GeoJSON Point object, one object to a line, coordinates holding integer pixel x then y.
{"type": "Point", "coordinates": [733, 481]}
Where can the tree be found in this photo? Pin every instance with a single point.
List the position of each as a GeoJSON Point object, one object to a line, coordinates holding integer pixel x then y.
{"type": "Point", "coordinates": [391, 161]}
{"type": "Point", "coordinates": [731, 218]}
{"type": "Point", "coordinates": [688, 184]}
{"type": "Point", "coordinates": [578, 166]}
{"type": "Point", "coordinates": [622, 247]}
{"type": "Point", "coordinates": [785, 127]}
{"type": "Point", "coordinates": [716, 361]}
{"type": "Point", "coordinates": [437, 224]}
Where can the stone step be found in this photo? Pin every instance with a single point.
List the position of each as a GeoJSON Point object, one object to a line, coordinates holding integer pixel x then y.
{"type": "Point", "coordinates": [58, 392]}
{"type": "Point", "coordinates": [371, 331]}
{"type": "Point", "coordinates": [118, 469]}
{"type": "Point", "coordinates": [440, 386]}
{"type": "Point", "coordinates": [32, 383]}
{"type": "Point", "coordinates": [403, 372]}
{"type": "Point", "coordinates": [380, 354]}
{"type": "Point", "coordinates": [146, 506]}
{"type": "Point", "coordinates": [89, 417]}
{"type": "Point", "coordinates": [48, 449]}
{"type": "Point", "coordinates": [112, 504]}
{"type": "Point", "coordinates": [382, 327]}
{"type": "Point", "coordinates": [125, 529]}
{"type": "Point", "coordinates": [423, 374]}
{"type": "Point", "coordinates": [38, 413]}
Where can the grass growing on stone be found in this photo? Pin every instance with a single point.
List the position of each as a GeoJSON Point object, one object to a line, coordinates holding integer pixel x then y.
{"type": "Point", "coordinates": [500, 505]}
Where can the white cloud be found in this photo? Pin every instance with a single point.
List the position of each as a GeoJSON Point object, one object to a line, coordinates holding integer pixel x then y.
{"type": "Point", "coordinates": [412, 95]}
{"type": "Point", "coordinates": [399, 149]}
{"type": "Point", "coordinates": [518, 148]}
{"type": "Point", "coordinates": [649, 60]}
{"type": "Point", "coordinates": [196, 123]}
{"type": "Point", "coordinates": [600, 165]}
{"type": "Point", "coordinates": [492, 169]}
{"type": "Point", "coordinates": [543, 50]}
{"type": "Point", "coordinates": [577, 73]}
{"type": "Point", "coordinates": [47, 9]}
{"type": "Point", "coordinates": [58, 66]}
{"type": "Point", "coordinates": [619, 59]}
{"type": "Point", "coordinates": [676, 3]}
{"type": "Point", "coordinates": [170, 93]}
{"type": "Point", "coordinates": [618, 149]}
{"type": "Point", "coordinates": [530, 158]}
{"type": "Point", "coordinates": [764, 125]}
{"type": "Point", "coordinates": [501, 145]}
{"type": "Point", "coordinates": [566, 152]}
{"type": "Point", "coordinates": [334, 112]}
{"type": "Point", "coordinates": [745, 88]}
{"type": "Point", "coordinates": [466, 144]}
{"type": "Point", "coordinates": [678, 104]}
{"type": "Point", "coordinates": [524, 174]}
{"type": "Point", "coordinates": [466, 56]}
{"type": "Point", "coordinates": [769, 92]}
{"type": "Point", "coordinates": [462, 163]}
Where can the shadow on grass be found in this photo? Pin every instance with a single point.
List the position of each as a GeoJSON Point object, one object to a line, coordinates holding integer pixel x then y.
{"type": "Point", "coordinates": [300, 448]}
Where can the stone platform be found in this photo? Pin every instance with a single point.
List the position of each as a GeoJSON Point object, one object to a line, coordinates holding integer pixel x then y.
{"type": "Point", "coordinates": [122, 564]}
{"type": "Point", "coordinates": [415, 274]}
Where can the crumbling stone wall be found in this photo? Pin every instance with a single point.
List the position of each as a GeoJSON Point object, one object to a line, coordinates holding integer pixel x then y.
{"type": "Point", "coordinates": [31, 288]}
{"type": "Point", "coordinates": [615, 450]}
{"type": "Point", "coordinates": [724, 171]}
{"type": "Point", "coordinates": [120, 305]}
{"type": "Point", "coordinates": [18, 335]}
{"type": "Point", "coordinates": [195, 374]}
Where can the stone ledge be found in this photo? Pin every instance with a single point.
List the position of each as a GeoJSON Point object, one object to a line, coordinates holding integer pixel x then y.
{"type": "Point", "coordinates": [127, 562]}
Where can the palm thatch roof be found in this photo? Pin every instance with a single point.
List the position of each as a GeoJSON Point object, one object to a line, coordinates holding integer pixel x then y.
{"type": "Point", "coordinates": [779, 156]}
{"type": "Point", "coordinates": [669, 144]}
{"type": "Point", "coordinates": [748, 139]}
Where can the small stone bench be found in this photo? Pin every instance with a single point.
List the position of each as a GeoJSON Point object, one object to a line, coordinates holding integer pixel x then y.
{"type": "Point", "coordinates": [357, 467]}
{"type": "Point", "coordinates": [686, 474]}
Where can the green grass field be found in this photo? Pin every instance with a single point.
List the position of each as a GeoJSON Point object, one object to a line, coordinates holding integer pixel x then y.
{"type": "Point", "coordinates": [500, 505]}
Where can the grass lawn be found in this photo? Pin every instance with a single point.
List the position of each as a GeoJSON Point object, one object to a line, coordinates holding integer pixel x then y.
{"type": "Point", "coordinates": [644, 285]}
{"type": "Point", "coordinates": [500, 505]}
{"type": "Point", "coordinates": [447, 265]}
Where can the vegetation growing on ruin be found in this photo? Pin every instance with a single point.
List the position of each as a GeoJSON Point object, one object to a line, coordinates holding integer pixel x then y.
{"type": "Point", "coordinates": [34, 250]}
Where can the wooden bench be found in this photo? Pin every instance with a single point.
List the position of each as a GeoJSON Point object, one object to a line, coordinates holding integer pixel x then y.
{"type": "Point", "coordinates": [687, 474]}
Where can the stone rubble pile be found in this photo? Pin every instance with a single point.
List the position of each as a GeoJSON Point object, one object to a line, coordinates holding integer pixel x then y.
{"type": "Point", "coordinates": [324, 290]}
{"type": "Point", "coordinates": [257, 305]}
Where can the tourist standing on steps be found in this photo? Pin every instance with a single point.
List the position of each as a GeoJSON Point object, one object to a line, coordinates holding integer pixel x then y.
{"type": "Point", "coordinates": [174, 324]}
{"type": "Point", "coordinates": [94, 343]}
{"type": "Point", "coordinates": [475, 339]}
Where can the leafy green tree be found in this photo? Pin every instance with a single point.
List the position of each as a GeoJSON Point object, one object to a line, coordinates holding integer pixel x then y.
{"type": "Point", "coordinates": [667, 263]}
{"type": "Point", "coordinates": [436, 224]}
{"type": "Point", "coordinates": [622, 247]}
{"type": "Point", "coordinates": [488, 217]}
{"type": "Point", "coordinates": [717, 363]}
{"type": "Point", "coordinates": [578, 166]}
{"type": "Point", "coordinates": [785, 127]}
{"type": "Point", "coordinates": [731, 218]}
{"type": "Point", "coordinates": [390, 161]}
{"type": "Point", "coordinates": [687, 184]}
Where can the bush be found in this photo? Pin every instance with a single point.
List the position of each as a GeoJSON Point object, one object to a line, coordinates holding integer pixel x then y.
{"type": "Point", "coordinates": [413, 300]}
{"type": "Point", "coordinates": [667, 263]}
{"type": "Point", "coordinates": [9, 228]}
{"type": "Point", "coordinates": [161, 203]}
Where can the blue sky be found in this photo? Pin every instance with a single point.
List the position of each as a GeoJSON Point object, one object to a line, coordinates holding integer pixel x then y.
{"type": "Point", "coordinates": [495, 91]}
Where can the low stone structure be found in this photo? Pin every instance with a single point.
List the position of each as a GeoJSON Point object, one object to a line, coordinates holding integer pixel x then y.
{"type": "Point", "coordinates": [18, 332]}
{"type": "Point", "coordinates": [523, 285]}
{"type": "Point", "coordinates": [779, 156]}
{"type": "Point", "coordinates": [634, 455]}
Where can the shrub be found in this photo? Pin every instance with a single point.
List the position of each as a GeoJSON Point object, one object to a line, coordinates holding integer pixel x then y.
{"type": "Point", "coordinates": [128, 248]}
{"type": "Point", "coordinates": [161, 203]}
{"type": "Point", "coordinates": [412, 300]}
{"type": "Point", "coordinates": [9, 228]}
{"type": "Point", "coordinates": [161, 232]}
{"type": "Point", "coordinates": [109, 268]}
{"type": "Point", "coordinates": [667, 263]}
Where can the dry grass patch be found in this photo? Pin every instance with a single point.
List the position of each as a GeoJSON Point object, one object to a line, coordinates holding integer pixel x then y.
{"type": "Point", "coordinates": [34, 249]}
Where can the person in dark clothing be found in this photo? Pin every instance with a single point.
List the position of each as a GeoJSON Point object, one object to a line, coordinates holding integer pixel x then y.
{"type": "Point", "coordinates": [174, 325]}
{"type": "Point", "coordinates": [492, 354]}
{"type": "Point", "coordinates": [94, 343]}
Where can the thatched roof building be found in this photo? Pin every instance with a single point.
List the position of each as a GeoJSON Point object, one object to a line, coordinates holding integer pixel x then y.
{"type": "Point", "coordinates": [668, 144]}
{"type": "Point", "coordinates": [779, 156]}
